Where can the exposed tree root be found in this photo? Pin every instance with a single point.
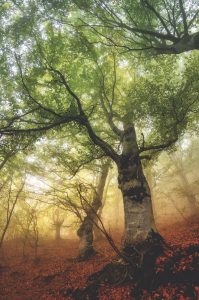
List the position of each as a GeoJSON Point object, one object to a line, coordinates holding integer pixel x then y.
{"type": "Point", "coordinates": [141, 271]}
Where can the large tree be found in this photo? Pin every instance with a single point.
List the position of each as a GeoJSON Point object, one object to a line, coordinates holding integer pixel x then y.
{"type": "Point", "coordinates": [62, 83]}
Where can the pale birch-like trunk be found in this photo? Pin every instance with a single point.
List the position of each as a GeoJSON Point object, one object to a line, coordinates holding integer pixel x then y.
{"type": "Point", "coordinates": [85, 231]}
{"type": "Point", "coordinates": [138, 214]}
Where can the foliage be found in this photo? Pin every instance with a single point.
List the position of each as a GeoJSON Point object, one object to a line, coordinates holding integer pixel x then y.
{"type": "Point", "coordinates": [64, 85]}
{"type": "Point", "coordinates": [154, 27]}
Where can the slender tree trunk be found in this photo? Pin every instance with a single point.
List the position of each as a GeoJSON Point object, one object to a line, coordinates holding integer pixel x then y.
{"type": "Point", "coordinates": [58, 221]}
{"type": "Point", "coordinates": [152, 184]}
{"type": "Point", "coordinates": [176, 207]}
{"type": "Point", "coordinates": [4, 232]}
{"type": "Point", "coordinates": [139, 220]}
{"type": "Point", "coordinates": [97, 232]}
{"type": "Point", "coordinates": [85, 231]}
{"type": "Point", "coordinates": [186, 187]}
{"type": "Point", "coordinates": [188, 193]}
{"type": "Point", "coordinates": [58, 232]}
{"type": "Point", "coordinates": [10, 212]}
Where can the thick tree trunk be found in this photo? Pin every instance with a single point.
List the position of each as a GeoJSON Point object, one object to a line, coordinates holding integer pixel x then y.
{"type": "Point", "coordinates": [142, 244]}
{"type": "Point", "coordinates": [139, 220]}
{"type": "Point", "coordinates": [85, 231]}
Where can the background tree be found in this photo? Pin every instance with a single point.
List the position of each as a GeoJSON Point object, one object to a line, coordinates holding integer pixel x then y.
{"type": "Point", "coordinates": [186, 188]}
{"type": "Point", "coordinates": [58, 221]}
{"type": "Point", "coordinates": [28, 227]}
{"type": "Point", "coordinates": [10, 190]}
{"type": "Point", "coordinates": [182, 191]}
{"type": "Point", "coordinates": [85, 231]}
{"type": "Point", "coordinates": [97, 232]}
{"type": "Point", "coordinates": [81, 197]}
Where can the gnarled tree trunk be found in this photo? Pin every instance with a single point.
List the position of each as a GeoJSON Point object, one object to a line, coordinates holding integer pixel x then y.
{"type": "Point", "coordinates": [85, 231]}
{"type": "Point", "coordinates": [142, 244]}
{"type": "Point", "coordinates": [139, 220]}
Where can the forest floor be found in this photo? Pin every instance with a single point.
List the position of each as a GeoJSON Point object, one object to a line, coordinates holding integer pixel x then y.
{"type": "Point", "coordinates": [54, 273]}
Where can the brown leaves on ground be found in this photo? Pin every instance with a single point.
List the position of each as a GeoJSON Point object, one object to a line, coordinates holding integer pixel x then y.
{"type": "Point", "coordinates": [54, 273]}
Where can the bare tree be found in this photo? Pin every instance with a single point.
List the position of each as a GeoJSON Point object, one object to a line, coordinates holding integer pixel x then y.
{"type": "Point", "coordinates": [12, 197]}
{"type": "Point", "coordinates": [27, 220]}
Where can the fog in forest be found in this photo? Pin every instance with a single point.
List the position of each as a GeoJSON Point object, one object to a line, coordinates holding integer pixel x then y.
{"type": "Point", "coordinates": [47, 203]}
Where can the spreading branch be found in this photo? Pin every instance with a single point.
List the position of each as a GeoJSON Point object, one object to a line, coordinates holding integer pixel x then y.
{"type": "Point", "coordinates": [167, 39]}
{"type": "Point", "coordinates": [39, 105]}
{"type": "Point", "coordinates": [158, 147]}
{"type": "Point", "coordinates": [158, 15]}
{"type": "Point", "coordinates": [83, 120]}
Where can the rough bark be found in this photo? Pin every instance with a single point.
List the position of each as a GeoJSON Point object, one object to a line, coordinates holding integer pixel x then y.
{"type": "Point", "coordinates": [139, 220]}
{"type": "Point", "coordinates": [142, 244]}
{"type": "Point", "coordinates": [85, 231]}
